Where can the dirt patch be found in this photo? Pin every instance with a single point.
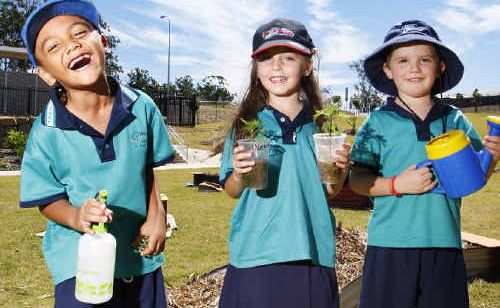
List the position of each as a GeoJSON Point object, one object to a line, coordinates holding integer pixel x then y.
{"type": "Point", "coordinates": [204, 290]}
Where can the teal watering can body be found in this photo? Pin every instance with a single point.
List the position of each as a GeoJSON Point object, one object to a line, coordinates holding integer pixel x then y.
{"type": "Point", "coordinates": [460, 170]}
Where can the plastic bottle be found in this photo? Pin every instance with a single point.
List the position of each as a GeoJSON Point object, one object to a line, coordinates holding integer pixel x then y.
{"type": "Point", "coordinates": [96, 263]}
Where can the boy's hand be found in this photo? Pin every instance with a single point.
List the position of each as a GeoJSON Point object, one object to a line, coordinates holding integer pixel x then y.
{"type": "Point", "coordinates": [242, 162]}
{"type": "Point", "coordinates": [92, 211]}
{"type": "Point", "coordinates": [414, 181]}
{"type": "Point", "coordinates": [492, 145]}
{"type": "Point", "coordinates": [155, 231]}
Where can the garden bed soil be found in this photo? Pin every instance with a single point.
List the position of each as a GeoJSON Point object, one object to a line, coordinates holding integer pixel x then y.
{"type": "Point", "coordinates": [204, 290]}
{"type": "Point", "coordinates": [9, 160]}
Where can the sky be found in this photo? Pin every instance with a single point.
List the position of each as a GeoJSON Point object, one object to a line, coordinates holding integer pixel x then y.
{"type": "Point", "coordinates": [214, 37]}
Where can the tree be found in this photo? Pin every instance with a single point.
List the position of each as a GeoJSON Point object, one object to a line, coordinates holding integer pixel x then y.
{"type": "Point", "coordinates": [476, 99]}
{"type": "Point", "coordinates": [112, 66]}
{"type": "Point", "coordinates": [140, 79]}
{"type": "Point", "coordinates": [214, 88]}
{"type": "Point", "coordinates": [459, 98]}
{"type": "Point", "coordinates": [12, 16]}
{"type": "Point", "coordinates": [366, 97]}
{"type": "Point", "coordinates": [13, 13]}
{"type": "Point", "coordinates": [185, 85]}
{"type": "Point", "coordinates": [337, 100]}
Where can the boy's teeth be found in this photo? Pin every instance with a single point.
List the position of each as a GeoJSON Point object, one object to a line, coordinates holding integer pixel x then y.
{"type": "Point", "coordinates": [78, 59]}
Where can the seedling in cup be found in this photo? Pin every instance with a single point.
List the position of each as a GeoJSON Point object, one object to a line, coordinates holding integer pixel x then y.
{"type": "Point", "coordinates": [327, 143]}
{"type": "Point", "coordinates": [254, 142]}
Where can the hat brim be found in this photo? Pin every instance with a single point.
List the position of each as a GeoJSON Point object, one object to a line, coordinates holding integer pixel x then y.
{"type": "Point", "coordinates": [283, 43]}
{"type": "Point", "coordinates": [373, 65]}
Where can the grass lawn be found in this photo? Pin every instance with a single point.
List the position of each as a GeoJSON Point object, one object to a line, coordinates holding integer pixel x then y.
{"type": "Point", "coordinates": [200, 243]}
{"type": "Point", "coordinates": [198, 136]}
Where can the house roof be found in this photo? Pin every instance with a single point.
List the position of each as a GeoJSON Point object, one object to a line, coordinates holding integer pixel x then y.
{"type": "Point", "coordinates": [13, 52]}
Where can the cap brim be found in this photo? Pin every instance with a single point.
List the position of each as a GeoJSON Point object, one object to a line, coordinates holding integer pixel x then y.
{"type": "Point", "coordinates": [283, 43]}
{"type": "Point", "coordinates": [374, 63]}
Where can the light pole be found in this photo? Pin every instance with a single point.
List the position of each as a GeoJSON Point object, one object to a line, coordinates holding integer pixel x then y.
{"type": "Point", "coordinates": [168, 58]}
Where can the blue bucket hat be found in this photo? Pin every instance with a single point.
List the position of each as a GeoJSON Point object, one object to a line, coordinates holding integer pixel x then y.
{"type": "Point", "coordinates": [412, 31]}
{"type": "Point", "coordinates": [48, 10]}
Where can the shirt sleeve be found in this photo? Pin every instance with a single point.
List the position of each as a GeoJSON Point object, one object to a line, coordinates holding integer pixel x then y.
{"type": "Point", "coordinates": [226, 167]}
{"type": "Point", "coordinates": [39, 183]}
{"type": "Point", "coordinates": [160, 149]}
{"type": "Point", "coordinates": [367, 147]}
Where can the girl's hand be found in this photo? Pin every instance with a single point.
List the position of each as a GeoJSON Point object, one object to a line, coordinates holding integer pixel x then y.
{"type": "Point", "coordinates": [492, 145]}
{"type": "Point", "coordinates": [242, 162]}
{"type": "Point", "coordinates": [153, 232]}
{"type": "Point", "coordinates": [92, 211]}
{"type": "Point", "coordinates": [343, 157]}
{"type": "Point", "coordinates": [414, 181]}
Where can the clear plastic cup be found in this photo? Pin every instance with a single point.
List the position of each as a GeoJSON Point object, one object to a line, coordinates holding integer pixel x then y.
{"type": "Point", "coordinates": [257, 178]}
{"type": "Point", "coordinates": [325, 146]}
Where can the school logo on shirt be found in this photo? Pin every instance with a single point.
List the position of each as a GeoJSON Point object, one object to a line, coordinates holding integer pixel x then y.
{"type": "Point", "coordinates": [139, 139]}
{"type": "Point", "coordinates": [277, 31]}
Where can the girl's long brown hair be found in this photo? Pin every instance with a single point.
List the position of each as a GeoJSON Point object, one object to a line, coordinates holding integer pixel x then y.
{"type": "Point", "coordinates": [255, 99]}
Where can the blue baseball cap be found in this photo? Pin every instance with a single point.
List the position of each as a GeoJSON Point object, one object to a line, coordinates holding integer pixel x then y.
{"type": "Point", "coordinates": [412, 31]}
{"type": "Point", "coordinates": [48, 10]}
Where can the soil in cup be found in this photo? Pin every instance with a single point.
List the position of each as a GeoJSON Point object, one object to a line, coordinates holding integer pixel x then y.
{"type": "Point", "coordinates": [257, 178]}
{"type": "Point", "coordinates": [329, 172]}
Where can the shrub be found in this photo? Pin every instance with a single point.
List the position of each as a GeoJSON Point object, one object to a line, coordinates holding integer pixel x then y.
{"type": "Point", "coordinates": [16, 140]}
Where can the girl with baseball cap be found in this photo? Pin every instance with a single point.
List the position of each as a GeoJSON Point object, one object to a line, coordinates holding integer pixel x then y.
{"type": "Point", "coordinates": [282, 238]}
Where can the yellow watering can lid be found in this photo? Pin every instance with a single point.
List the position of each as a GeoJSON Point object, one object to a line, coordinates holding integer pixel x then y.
{"type": "Point", "coordinates": [446, 144]}
{"type": "Point", "coordinates": [494, 119]}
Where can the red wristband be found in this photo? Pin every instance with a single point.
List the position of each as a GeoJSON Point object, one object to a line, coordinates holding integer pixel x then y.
{"type": "Point", "coordinates": [392, 189]}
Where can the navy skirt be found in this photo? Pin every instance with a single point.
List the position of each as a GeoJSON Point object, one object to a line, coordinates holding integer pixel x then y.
{"type": "Point", "coordinates": [292, 285]}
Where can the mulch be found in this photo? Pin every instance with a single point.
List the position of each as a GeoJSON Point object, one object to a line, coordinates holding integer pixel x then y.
{"type": "Point", "coordinates": [9, 160]}
{"type": "Point", "coordinates": [204, 290]}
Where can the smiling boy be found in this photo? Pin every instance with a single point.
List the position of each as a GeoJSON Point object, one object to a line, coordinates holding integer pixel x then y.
{"type": "Point", "coordinates": [93, 134]}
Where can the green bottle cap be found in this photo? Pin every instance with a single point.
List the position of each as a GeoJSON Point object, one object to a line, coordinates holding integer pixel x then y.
{"type": "Point", "coordinates": [101, 227]}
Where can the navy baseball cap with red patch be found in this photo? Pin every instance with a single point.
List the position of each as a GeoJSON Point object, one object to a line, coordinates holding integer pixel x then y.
{"type": "Point", "coordinates": [285, 33]}
{"type": "Point", "coordinates": [50, 9]}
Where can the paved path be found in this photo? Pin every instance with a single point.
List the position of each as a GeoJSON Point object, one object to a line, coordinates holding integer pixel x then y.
{"type": "Point", "coordinates": [195, 159]}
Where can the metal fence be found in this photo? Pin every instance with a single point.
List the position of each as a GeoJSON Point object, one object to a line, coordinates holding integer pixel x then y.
{"type": "Point", "coordinates": [22, 101]}
{"type": "Point", "coordinates": [29, 101]}
{"type": "Point", "coordinates": [177, 108]}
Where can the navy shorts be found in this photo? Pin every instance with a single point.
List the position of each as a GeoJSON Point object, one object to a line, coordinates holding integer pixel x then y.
{"type": "Point", "coordinates": [414, 277]}
{"type": "Point", "coordinates": [291, 285]}
{"type": "Point", "coordinates": [146, 291]}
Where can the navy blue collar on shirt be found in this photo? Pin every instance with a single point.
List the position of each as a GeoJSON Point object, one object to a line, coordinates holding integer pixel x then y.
{"type": "Point", "coordinates": [438, 111]}
{"type": "Point", "coordinates": [56, 115]}
{"type": "Point", "coordinates": [288, 127]}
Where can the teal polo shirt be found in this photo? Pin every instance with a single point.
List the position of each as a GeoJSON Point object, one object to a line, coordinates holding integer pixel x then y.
{"type": "Point", "coordinates": [65, 158]}
{"type": "Point", "coordinates": [389, 141]}
{"type": "Point", "coordinates": [289, 220]}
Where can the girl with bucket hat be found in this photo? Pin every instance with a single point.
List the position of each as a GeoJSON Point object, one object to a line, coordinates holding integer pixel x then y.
{"type": "Point", "coordinates": [414, 255]}
{"type": "Point", "coordinates": [282, 238]}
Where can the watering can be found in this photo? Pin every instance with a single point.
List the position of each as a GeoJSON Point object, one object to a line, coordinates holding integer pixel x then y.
{"type": "Point", "coordinates": [459, 169]}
